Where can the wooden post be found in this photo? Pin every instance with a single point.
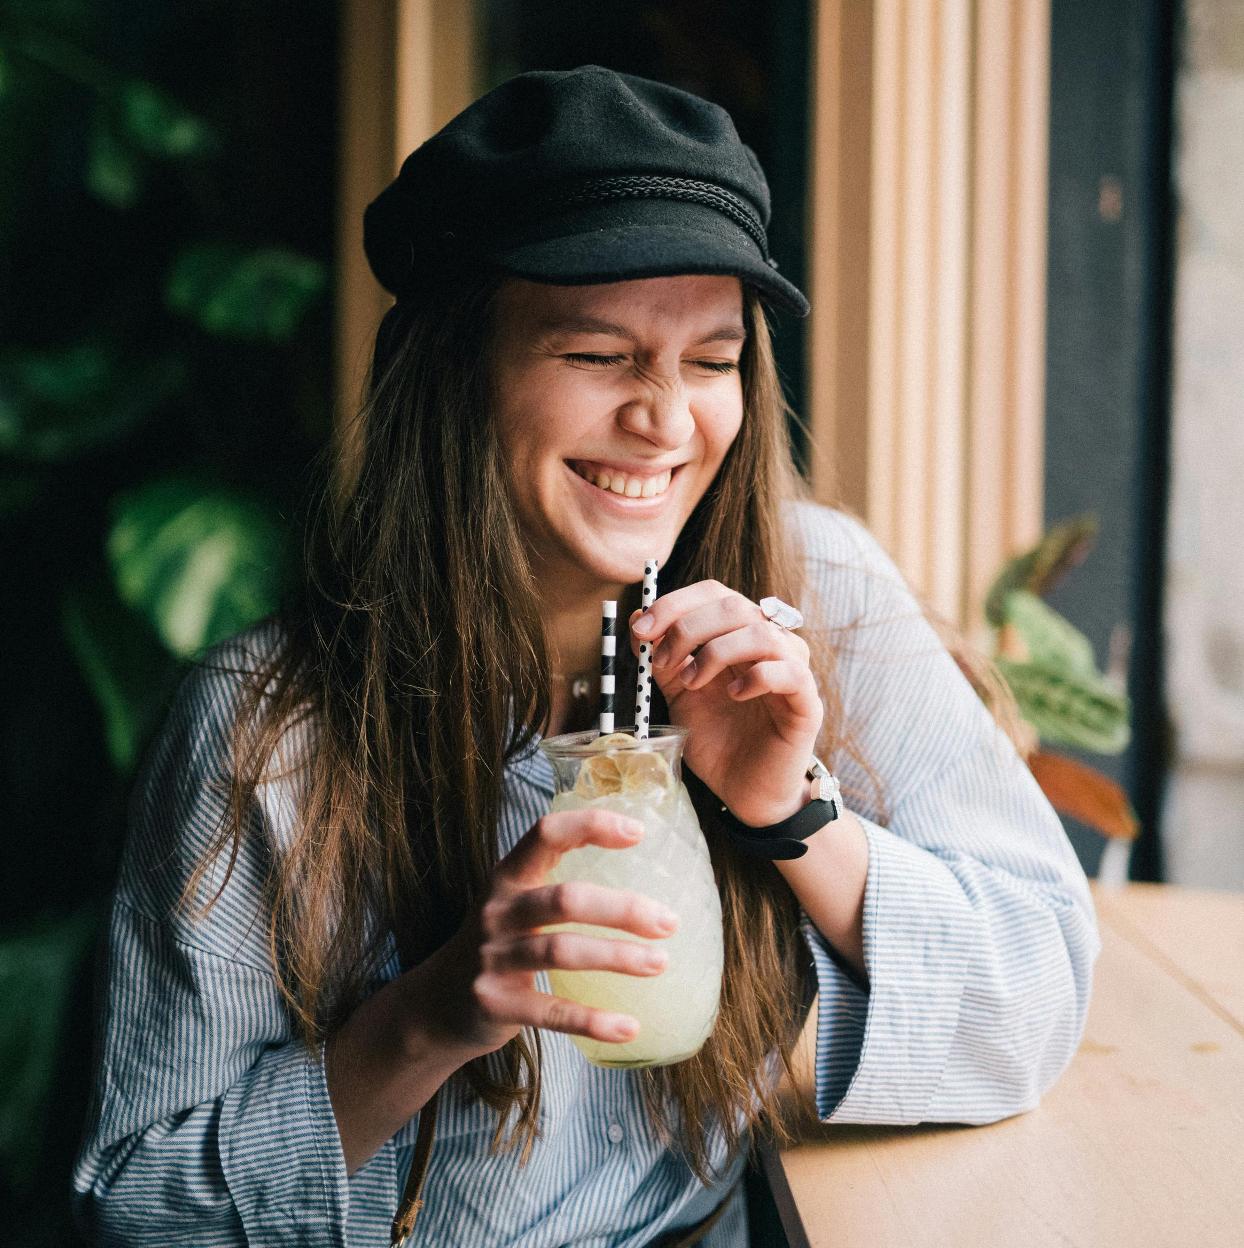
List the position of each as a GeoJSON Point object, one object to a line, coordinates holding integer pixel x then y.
{"type": "Point", "coordinates": [407, 67]}
{"type": "Point", "coordinates": [927, 277]}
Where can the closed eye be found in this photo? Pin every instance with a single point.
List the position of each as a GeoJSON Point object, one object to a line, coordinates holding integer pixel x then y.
{"type": "Point", "coordinates": [607, 361]}
{"type": "Point", "coordinates": [594, 361]}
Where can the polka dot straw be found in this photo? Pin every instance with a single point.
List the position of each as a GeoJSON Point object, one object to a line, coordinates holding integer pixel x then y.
{"type": "Point", "coordinates": [608, 648]}
{"type": "Point", "coordinates": [643, 691]}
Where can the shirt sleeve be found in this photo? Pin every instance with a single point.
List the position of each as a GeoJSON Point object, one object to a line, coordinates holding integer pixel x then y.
{"type": "Point", "coordinates": [210, 1121]}
{"type": "Point", "coordinates": [978, 928]}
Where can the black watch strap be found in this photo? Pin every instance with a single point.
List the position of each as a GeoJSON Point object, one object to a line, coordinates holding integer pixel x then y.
{"type": "Point", "coordinates": [786, 839]}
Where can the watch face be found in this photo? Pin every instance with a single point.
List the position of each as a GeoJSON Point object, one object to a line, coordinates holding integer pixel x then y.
{"type": "Point", "coordinates": [825, 788]}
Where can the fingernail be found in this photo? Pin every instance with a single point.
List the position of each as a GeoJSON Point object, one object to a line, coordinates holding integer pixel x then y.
{"type": "Point", "coordinates": [688, 673]}
{"type": "Point", "coordinates": [625, 1029]}
{"type": "Point", "coordinates": [632, 829]}
{"type": "Point", "coordinates": [656, 959]}
{"type": "Point", "coordinates": [736, 686]}
{"type": "Point", "coordinates": [667, 921]}
{"type": "Point", "coordinates": [643, 625]}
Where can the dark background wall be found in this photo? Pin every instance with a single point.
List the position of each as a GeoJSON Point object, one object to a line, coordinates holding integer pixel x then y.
{"type": "Point", "coordinates": [1107, 349]}
{"type": "Point", "coordinates": [167, 192]}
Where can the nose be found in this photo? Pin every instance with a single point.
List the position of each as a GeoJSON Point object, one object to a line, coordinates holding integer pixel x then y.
{"type": "Point", "coordinates": [661, 415]}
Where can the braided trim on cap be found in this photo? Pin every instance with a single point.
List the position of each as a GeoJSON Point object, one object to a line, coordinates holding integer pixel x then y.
{"type": "Point", "coordinates": [653, 186]}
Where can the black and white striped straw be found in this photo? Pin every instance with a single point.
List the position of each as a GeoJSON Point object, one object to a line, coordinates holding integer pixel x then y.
{"type": "Point", "coordinates": [608, 649]}
{"type": "Point", "coordinates": [643, 691]}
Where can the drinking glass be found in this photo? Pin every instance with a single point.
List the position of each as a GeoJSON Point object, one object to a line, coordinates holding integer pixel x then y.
{"type": "Point", "coordinates": [643, 779]}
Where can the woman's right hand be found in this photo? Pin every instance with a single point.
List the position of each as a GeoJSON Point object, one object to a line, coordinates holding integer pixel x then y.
{"type": "Point", "coordinates": [485, 974]}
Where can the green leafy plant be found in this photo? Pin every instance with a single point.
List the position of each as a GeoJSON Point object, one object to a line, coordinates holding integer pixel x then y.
{"type": "Point", "coordinates": [239, 293]}
{"type": "Point", "coordinates": [63, 402]}
{"type": "Point", "coordinates": [1056, 683]}
{"type": "Point", "coordinates": [37, 970]}
{"type": "Point", "coordinates": [199, 562]}
{"type": "Point", "coordinates": [127, 669]}
{"type": "Point", "coordinates": [1062, 695]}
{"type": "Point", "coordinates": [164, 380]}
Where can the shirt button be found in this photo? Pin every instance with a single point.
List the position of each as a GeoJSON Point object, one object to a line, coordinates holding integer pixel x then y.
{"type": "Point", "coordinates": [615, 1133]}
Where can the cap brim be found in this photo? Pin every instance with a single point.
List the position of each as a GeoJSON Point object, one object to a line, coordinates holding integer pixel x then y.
{"type": "Point", "coordinates": [620, 254]}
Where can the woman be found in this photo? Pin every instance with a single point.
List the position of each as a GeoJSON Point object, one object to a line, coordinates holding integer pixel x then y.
{"type": "Point", "coordinates": [328, 918]}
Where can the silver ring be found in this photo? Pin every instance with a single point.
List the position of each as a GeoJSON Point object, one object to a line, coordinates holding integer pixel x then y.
{"type": "Point", "coordinates": [781, 613]}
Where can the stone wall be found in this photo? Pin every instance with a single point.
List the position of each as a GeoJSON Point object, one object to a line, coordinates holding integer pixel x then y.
{"type": "Point", "coordinates": [1203, 818]}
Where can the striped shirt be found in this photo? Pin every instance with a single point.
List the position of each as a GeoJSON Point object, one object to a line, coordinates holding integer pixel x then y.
{"type": "Point", "coordinates": [211, 1124]}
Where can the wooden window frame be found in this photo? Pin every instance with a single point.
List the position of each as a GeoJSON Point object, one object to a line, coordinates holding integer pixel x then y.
{"type": "Point", "coordinates": [407, 67]}
{"type": "Point", "coordinates": [927, 260]}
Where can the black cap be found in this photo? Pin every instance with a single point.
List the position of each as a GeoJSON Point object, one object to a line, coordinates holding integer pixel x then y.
{"type": "Point", "coordinates": [577, 177]}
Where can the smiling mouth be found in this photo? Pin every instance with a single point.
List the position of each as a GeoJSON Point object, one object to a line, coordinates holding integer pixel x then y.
{"type": "Point", "coordinates": [625, 484]}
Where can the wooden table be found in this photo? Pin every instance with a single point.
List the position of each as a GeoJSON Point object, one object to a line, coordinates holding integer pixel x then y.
{"type": "Point", "coordinates": [1139, 1144]}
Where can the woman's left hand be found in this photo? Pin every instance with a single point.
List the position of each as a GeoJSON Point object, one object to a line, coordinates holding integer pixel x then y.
{"type": "Point", "coordinates": [743, 688]}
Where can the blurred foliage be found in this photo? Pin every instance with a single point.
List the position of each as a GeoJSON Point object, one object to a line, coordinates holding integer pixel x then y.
{"type": "Point", "coordinates": [36, 973]}
{"type": "Point", "coordinates": [1050, 668]}
{"type": "Point", "coordinates": [1048, 638]}
{"type": "Point", "coordinates": [166, 191]}
{"type": "Point", "coordinates": [237, 293]}
{"type": "Point", "coordinates": [67, 401]}
{"type": "Point", "coordinates": [1066, 709]}
{"type": "Point", "coordinates": [126, 667]}
{"type": "Point", "coordinates": [131, 128]}
{"type": "Point", "coordinates": [1038, 570]}
{"type": "Point", "coordinates": [1059, 689]}
{"type": "Point", "coordinates": [198, 562]}
{"type": "Point", "coordinates": [1047, 662]}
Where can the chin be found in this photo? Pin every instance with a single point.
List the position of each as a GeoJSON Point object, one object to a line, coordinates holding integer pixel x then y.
{"type": "Point", "coordinates": [623, 569]}
{"type": "Point", "coordinates": [621, 560]}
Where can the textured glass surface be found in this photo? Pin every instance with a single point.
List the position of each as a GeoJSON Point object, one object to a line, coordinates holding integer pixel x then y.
{"type": "Point", "coordinates": [676, 1009]}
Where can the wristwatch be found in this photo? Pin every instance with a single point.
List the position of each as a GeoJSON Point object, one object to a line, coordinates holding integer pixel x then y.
{"type": "Point", "coordinates": [786, 839]}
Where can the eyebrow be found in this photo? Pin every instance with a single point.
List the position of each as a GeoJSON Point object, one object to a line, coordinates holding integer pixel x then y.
{"type": "Point", "coordinates": [732, 332]}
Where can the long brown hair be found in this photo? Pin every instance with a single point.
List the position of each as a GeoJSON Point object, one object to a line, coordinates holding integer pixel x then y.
{"type": "Point", "coordinates": [418, 663]}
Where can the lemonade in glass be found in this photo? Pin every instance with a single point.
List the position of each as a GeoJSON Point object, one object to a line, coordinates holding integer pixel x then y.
{"type": "Point", "coordinates": [642, 778]}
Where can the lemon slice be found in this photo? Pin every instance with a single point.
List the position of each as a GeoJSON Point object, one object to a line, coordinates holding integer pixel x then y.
{"type": "Point", "coordinates": [627, 768]}
{"type": "Point", "coordinates": [614, 741]}
{"type": "Point", "coordinates": [644, 769]}
{"type": "Point", "coordinates": [599, 777]}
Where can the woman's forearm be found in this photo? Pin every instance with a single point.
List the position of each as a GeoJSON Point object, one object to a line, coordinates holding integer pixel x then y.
{"type": "Point", "coordinates": [829, 881]}
{"type": "Point", "coordinates": [385, 1063]}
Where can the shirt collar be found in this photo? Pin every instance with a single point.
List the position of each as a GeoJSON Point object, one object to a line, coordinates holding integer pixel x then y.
{"type": "Point", "coordinates": [530, 765]}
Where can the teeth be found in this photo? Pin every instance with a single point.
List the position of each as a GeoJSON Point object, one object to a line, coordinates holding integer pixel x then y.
{"type": "Point", "coordinates": [629, 487]}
